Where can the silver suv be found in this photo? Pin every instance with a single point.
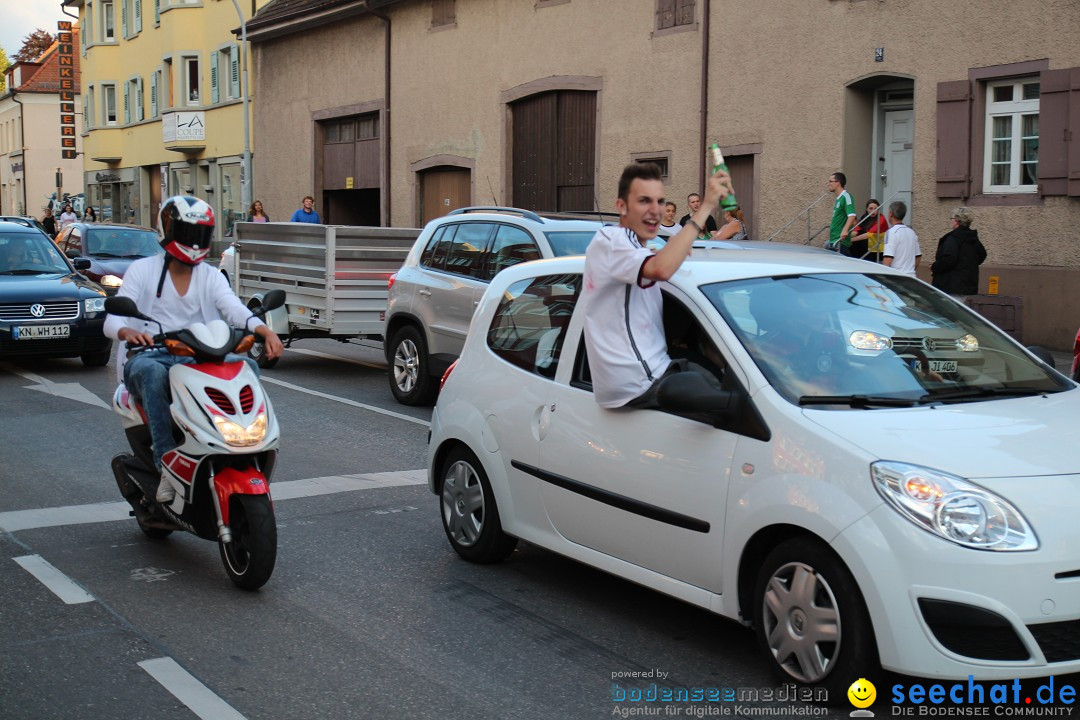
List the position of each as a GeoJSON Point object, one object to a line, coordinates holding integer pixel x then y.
{"type": "Point", "coordinates": [434, 294]}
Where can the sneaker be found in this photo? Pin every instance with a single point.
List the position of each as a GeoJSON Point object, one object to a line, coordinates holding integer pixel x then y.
{"type": "Point", "coordinates": [165, 491]}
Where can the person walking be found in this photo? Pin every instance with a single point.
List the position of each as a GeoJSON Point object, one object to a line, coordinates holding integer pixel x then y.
{"type": "Point", "coordinates": [90, 215]}
{"type": "Point", "coordinates": [306, 214]}
{"type": "Point", "coordinates": [67, 217]}
{"type": "Point", "coordinates": [843, 216]}
{"type": "Point", "coordinates": [256, 213]}
{"type": "Point", "coordinates": [955, 269]}
{"type": "Point", "coordinates": [48, 221]}
{"type": "Point", "coordinates": [902, 250]}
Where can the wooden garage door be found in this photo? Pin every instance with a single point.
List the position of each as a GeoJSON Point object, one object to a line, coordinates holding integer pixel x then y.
{"type": "Point", "coordinates": [554, 151]}
{"type": "Point", "coordinates": [443, 189]}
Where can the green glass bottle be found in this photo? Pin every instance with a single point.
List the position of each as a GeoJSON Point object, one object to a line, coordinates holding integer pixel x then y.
{"type": "Point", "coordinates": [718, 163]}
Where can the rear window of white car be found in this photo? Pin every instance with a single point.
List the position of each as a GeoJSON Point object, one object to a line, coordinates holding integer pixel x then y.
{"type": "Point", "coordinates": [530, 323]}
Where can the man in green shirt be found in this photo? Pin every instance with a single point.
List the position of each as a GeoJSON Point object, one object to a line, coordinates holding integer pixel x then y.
{"type": "Point", "coordinates": [843, 216]}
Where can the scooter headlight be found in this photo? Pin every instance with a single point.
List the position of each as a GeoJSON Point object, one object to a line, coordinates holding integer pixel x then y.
{"type": "Point", "coordinates": [238, 436]}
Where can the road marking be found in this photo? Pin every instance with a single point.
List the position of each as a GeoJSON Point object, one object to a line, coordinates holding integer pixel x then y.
{"type": "Point", "coordinates": [60, 584]}
{"type": "Point", "coordinates": [71, 391]}
{"type": "Point", "coordinates": [346, 401]}
{"type": "Point", "coordinates": [183, 685]}
{"type": "Point", "coordinates": [316, 353]}
{"type": "Point", "coordinates": [16, 520]}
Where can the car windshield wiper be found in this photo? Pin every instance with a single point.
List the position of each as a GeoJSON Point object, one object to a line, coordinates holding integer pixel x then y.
{"type": "Point", "coordinates": [107, 254]}
{"type": "Point", "coordinates": [856, 401]}
{"type": "Point", "coordinates": [978, 393]}
{"type": "Point", "coordinates": [28, 271]}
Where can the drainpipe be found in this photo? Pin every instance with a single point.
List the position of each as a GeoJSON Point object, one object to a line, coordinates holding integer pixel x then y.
{"type": "Point", "coordinates": [702, 139]}
{"type": "Point", "coordinates": [22, 134]}
{"type": "Point", "coordinates": [386, 109]}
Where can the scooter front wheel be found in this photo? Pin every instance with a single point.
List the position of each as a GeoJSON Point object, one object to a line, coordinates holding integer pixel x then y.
{"type": "Point", "coordinates": [249, 558]}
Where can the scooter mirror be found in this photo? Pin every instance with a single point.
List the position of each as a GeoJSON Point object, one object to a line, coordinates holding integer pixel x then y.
{"type": "Point", "coordinates": [273, 300]}
{"type": "Point", "coordinates": [121, 306]}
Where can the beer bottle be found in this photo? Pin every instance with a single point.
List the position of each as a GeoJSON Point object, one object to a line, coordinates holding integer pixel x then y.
{"type": "Point", "coordinates": [717, 159]}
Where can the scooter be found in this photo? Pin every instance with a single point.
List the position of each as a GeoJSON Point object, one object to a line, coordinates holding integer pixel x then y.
{"type": "Point", "coordinates": [221, 470]}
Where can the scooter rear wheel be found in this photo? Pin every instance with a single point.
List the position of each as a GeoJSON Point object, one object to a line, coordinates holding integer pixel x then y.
{"type": "Point", "coordinates": [249, 558]}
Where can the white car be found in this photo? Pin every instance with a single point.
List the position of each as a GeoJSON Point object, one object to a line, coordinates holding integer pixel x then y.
{"type": "Point", "coordinates": [885, 480]}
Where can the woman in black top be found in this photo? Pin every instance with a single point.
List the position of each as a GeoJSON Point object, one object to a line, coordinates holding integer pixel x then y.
{"type": "Point", "coordinates": [959, 255]}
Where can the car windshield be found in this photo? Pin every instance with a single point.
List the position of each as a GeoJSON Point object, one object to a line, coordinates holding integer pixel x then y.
{"type": "Point", "coordinates": [865, 341]}
{"type": "Point", "coordinates": [122, 242]}
{"type": "Point", "coordinates": [569, 242]}
{"type": "Point", "coordinates": [30, 254]}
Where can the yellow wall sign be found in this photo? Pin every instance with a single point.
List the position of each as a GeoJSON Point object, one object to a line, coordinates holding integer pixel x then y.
{"type": "Point", "coordinates": [349, 183]}
{"type": "Point", "coordinates": [992, 287]}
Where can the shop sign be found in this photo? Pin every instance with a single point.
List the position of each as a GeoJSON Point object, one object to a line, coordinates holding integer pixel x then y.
{"type": "Point", "coordinates": [183, 126]}
{"type": "Point", "coordinates": [65, 54]}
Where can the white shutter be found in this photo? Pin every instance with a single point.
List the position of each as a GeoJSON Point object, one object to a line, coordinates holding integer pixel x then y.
{"type": "Point", "coordinates": [138, 16]}
{"type": "Point", "coordinates": [138, 100]}
{"type": "Point", "coordinates": [86, 112]}
{"type": "Point", "coordinates": [157, 12]}
{"type": "Point", "coordinates": [214, 77]}
{"type": "Point", "coordinates": [153, 97]}
{"type": "Point", "coordinates": [127, 103]}
{"type": "Point", "coordinates": [123, 17]}
{"type": "Point", "coordinates": [234, 71]}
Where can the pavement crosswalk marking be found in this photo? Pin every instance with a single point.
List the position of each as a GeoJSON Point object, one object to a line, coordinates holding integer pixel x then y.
{"type": "Point", "coordinates": [188, 690]}
{"type": "Point", "coordinates": [60, 584]}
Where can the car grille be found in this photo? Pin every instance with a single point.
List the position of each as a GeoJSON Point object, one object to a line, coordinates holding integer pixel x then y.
{"type": "Point", "coordinates": [1059, 641]}
{"type": "Point", "coordinates": [11, 312]}
{"type": "Point", "coordinates": [906, 344]}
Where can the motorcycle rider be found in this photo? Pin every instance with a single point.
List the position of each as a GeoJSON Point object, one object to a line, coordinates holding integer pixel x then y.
{"type": "Point", "coordinates": [177, 290]}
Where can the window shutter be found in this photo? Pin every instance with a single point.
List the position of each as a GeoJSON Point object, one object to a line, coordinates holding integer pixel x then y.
{"type": "Point", "coordinates": [684, 12]}
{"type": "Point", "coordinates": [665, 14]}
{"type": "Point", "coordinates": [153, 97]}
{"type": "Point", "coordinates": [214, 77]}
{"type": "Point", "coordinates": [86, 112]}
{"type": "Point", "coordinates": [138, 99]}
{"type": "Point", "coordinates": [123, 17]}
{"type": "Point", "coordinates": [157, 12]}
{"type": "Point", "coordinates": [1059, 144]}
{"type": "Point", "coordinates": [234, 71]}
{"type": "Point", "coordinates": [954, 139]}
{"type": "Point", "coordinates": [127, 103]}
{"type": "Point", "coordinates": [138, 16]}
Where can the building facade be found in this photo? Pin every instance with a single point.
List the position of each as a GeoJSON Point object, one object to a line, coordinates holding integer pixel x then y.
{"type": "Point", "coordinates": [163, 85]}
{"type": "Point", "coordinates": [434, 104]}
{"type": "Point", "coordinates": [40, 129]}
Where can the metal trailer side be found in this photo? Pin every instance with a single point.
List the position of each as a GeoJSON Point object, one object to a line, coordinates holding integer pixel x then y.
{"type": "Point", "coordinates": [334, 276]}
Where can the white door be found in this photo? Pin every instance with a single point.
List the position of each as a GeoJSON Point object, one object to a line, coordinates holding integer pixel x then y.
{"type": "Point", "coordinates": [899, 151]}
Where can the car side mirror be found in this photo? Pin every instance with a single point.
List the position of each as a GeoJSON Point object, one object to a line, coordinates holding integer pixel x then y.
{"type": "Point", "coordinates": [82, 264]}
{"type": "Point", "coordinates": [690, 392]}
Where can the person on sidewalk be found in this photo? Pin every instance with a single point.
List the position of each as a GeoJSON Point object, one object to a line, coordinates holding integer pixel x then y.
{"type": "Point", "coordinates": [959, 254]}
{"type": "Point", "coordinates": [306, 214]}
{"type": "Point", "coordinates": [902, 250]}
{"type": "Point", "coordinates": [177, 289]}
{"type": "Point", "coordinates": [843, 216]}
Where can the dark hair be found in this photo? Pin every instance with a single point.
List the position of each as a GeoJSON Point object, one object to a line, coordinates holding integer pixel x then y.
{"type": "Point", "coordinates": [671, 203]}
{"type": "Point", "coordinates": [697, 195]}
{"type": "Point", "coordinates": [637, 171]}
{"type": "Point", "coordinates": [840, 178]}
{"type": "Point", "coordinates": [872, 200]}
{"type": "Point", "coordinates": [898, 210]}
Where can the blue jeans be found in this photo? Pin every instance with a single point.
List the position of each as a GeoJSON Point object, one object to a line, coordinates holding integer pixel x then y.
{"type": "Point", "coordinates": [146, 376]}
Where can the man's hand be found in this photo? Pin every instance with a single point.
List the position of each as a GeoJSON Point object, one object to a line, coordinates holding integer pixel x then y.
{"type": "Point", "coordinates": [274, 347]}
{"type": "Point", "coordinates": [718, 188]}
{"type": "Point", "coordinates": [135, 337]}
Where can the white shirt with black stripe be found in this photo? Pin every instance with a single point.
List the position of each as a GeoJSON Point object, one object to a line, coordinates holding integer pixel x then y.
{"type": "Point", "coordinates": [624, 321]}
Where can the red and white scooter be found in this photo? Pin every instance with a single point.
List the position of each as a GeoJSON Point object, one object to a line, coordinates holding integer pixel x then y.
{"type": "Point", "coordinates": [221, 470]}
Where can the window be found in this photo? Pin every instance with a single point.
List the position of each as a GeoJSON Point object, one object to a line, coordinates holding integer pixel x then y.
{"type": "Point", "coordinates": [1011, 160]}
{"type": "Point", "coordinates": [443, 13]}
{"type": "Point", "coordinates": [108, 21]}
{"type": "Point", "coordinates": [530, 324]}
{"type": "Point", "coordinates": [466, 252]}
{"type": "Point", "coordinates": [512, 246]}
{"type": "Point", "coordinates": [660, 161]}
{"type": "Point", "coordinates": [190, 88]}
{"type": "Point", "coordinates": [435, 253]}
{"type": "Point", "coordinates": [674, 13]}
{"type": "Point", "coordinates": [341, 131]}
{"type": "Point", "coordinates": [108, 102]}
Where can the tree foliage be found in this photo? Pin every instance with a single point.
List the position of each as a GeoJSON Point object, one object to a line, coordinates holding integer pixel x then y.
{"type": "Point", "coordinates": [34, 45]}
{"type": "Point", "coordinates": [4, 64]}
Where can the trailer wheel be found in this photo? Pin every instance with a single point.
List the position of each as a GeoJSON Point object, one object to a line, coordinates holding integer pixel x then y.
{"type": "Point", "coordinates": [410, 378]}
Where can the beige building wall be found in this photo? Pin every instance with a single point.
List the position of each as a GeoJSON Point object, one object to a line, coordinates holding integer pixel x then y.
{"type": "Point", "coordinates": [32, 144]}
{"type": "Point", "coordinates": [791, 84]}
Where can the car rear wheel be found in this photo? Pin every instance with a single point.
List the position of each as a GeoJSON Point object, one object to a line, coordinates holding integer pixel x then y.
{"type": "Point", "coordinates": [811, 620]}
{"type": "Point", "coordinates": [469, 514]}
{"type": "Point", "coordinates": [410, 378]}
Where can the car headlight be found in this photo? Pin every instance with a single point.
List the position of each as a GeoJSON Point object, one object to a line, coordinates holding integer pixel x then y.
{"type": "Point", "coordinates": [111, 281]}
{"type": "Point", "coordinates": [954, 509]}
{"type": "Point", "coordinates": [93, 305]}
{"type": "Point", "coordinates": [867, 340]}
{"type": "Point", "coordinates": [238, 436]}
{"type": "Point", "coordinates": [968, 343]}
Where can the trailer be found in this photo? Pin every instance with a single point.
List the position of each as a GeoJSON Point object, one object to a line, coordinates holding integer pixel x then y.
{"type": "Point", "coordinates": [334, 277]}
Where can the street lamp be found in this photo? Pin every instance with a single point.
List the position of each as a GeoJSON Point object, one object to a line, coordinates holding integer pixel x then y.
{"type": "Point", "coordinates": [245, 168]}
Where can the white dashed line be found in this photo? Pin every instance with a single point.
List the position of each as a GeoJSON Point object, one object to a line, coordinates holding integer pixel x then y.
{"type": "Point", "coordinates": [183, 685]}
{"type": "Point", "coordinates": [345, 401]}
{"type": "Point", "coordinates": [60, 584]}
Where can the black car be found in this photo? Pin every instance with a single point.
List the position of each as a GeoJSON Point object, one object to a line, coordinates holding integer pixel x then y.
{"type": "Point", "coordinates": [109, 248]}
{"type": "Point", "coordinates": [47, 309]}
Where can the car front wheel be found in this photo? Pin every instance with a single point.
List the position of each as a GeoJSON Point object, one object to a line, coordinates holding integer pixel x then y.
{"type": "Point", "coordinates": [811, 620]}
{"type": "Point", "coordinates": [469, 514]}
{"type": "Point", "coordinates": [410, 378]}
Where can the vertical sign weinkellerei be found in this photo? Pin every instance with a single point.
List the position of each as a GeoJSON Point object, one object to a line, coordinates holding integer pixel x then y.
{"type": "Point", "coordinates": [66, 56]}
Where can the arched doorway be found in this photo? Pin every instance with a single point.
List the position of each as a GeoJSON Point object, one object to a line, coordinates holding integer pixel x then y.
{"type": "Point", "coordinates": [879, 139]}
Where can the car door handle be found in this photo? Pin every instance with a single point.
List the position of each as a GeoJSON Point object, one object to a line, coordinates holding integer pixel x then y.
{"type": "Point", "coordinates": [425, 293]}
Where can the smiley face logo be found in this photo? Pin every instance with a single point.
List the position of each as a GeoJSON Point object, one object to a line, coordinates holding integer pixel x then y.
{"type": "Point", "coordinates": [862, 693]}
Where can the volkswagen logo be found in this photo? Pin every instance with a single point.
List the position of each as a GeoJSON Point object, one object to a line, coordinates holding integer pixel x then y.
{"type": "Point", "coordinates": [37, 310]}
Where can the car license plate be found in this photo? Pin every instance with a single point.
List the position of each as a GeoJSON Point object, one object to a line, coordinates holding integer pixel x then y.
{"type": "Point", "coordinates": [41, 332]}
{"type": "Point", "coordinates": [941, 366]}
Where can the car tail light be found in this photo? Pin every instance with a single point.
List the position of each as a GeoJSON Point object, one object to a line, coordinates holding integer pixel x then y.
{"type": "Point", "coordinates": [390, 281]}
{"type": "Point", "coordinates": [446, 374]}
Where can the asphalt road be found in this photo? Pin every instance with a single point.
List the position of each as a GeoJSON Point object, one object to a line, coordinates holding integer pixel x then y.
{"type": "Point", "coordinates": [369, 612]}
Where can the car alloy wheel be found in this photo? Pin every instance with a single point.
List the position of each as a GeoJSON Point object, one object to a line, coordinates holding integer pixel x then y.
{"type": "Point", "coordinates": [406, 365]}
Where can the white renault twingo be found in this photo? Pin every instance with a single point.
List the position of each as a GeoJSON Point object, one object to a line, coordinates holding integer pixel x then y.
{"type": "Point", "coordinates": [885, 480]}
